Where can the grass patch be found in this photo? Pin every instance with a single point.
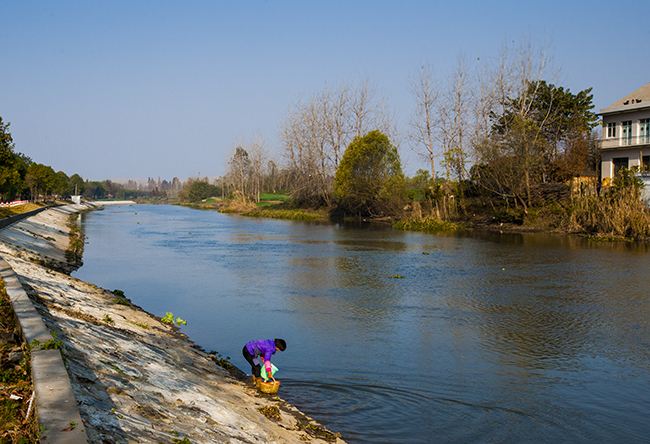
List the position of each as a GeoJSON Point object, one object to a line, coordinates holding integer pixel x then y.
{"type": "Point", "coordinates": [427, 225]}
{"type": "Point", "coordinates": [275, 196]}
{"type": "Point", "coordinates": [299, 214]}
{"type": "Point", "coordinates": [18, 209]}
{"type": "Point", "coordinates": [141, 325]}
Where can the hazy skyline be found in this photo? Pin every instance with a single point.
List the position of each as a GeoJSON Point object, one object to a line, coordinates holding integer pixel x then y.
{"type": "Point", "coordinates": [137, 89]}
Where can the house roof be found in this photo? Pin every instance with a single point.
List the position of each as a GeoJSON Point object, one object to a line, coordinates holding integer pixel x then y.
{"type": "Point", "coordinates": [637, 99]}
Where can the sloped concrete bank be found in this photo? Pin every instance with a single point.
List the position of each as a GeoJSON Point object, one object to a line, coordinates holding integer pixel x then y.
{"type": "Point", "coordinates": [136, 379]}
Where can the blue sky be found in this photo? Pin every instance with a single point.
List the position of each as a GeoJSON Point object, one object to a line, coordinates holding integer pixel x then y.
{"type": "Point", "coordinates": [161, 88]}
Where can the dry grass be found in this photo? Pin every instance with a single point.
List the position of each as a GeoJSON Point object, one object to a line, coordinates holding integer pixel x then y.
{"type": "Point", "coordinates": [617, 213]}
{"type": "Point", "coordinates": [239, 206]}
{"type": "Point", "coordinates": [15, 380]}
{"type": "Point", "coordinates": [427, 224]}
{"type": "Point", "coordinates": [19, 209]}
{"type": "Point", "coordinates": [300, 214]}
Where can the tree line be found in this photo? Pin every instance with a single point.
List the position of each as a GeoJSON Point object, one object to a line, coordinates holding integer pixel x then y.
{"type": "Point", "coordinates": [498, 136]}
{"type": "Point", "coordinates": [21, 178]}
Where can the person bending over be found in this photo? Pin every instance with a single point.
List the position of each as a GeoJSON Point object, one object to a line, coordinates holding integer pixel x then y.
{"type": "Point", "coordinates": [262, 349]}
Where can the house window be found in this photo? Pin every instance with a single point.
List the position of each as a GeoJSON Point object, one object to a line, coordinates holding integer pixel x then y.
{"type": "Point", "coordinates": [611, 130]}
{"type": "Point", "coordinates": [619, 164]}
{"type": "Point", "coordinates": [644, 130]}
{"type": "Point", "coordinates": [627, 132]}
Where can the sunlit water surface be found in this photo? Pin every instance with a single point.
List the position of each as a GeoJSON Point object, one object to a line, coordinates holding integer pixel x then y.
{"type": "Point", "coordinates": [495, 338]}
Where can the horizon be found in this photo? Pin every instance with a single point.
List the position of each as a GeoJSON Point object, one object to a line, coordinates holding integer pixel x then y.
{"type": "Point", "coordinates": [132, 90]}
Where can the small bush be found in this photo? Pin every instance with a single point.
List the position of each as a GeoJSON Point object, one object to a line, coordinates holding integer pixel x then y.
{"type": "Point", "coordinates": [169, 320]}
{"type": "Point", "coordinates": [427, 224]}
{"type": "Point", "coordinates": [120, 298]}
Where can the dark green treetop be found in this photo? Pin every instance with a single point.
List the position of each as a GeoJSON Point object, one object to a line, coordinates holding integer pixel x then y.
{"type": "Point", "coordinates": [369, 180]}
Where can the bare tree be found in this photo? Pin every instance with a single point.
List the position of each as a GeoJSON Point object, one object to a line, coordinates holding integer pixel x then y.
{"type": "Point", "coordinates": [335, 106]}
{"type": "Point", "coordinates": [423, 124]}
{"type": "Point", "coordinates": [239, 168]}
{"type": "Point", "coordinates": [257, 156]}
{"type": "Point", "coordinates": [510, 149]}
{"type": "Point", "coordinates": [316, 135]}
{"type": "Point", "coordinates": [452, 111]}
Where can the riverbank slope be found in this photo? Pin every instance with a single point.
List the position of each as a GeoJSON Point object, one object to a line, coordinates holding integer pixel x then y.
{"type": "Point", "coordinates": [135, 378]}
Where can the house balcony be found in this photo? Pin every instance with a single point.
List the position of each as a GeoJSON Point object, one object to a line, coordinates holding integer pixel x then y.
{"type": "Point", "coordinates": [624, 142]}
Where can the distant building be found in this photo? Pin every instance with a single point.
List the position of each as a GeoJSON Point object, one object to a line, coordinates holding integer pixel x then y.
{"type": "Point", "coordinates": [625, 141]}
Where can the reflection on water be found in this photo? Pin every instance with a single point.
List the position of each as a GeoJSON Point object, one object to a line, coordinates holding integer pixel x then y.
{"type": "Point", "coordinates": [486, 338]}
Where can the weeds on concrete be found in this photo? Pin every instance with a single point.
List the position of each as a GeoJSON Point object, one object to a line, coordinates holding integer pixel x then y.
{"type": "Point", "coordinates": [51, 344]}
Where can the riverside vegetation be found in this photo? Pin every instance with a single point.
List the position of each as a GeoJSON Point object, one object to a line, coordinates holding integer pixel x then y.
{"type": "Point", "coordinates": [504, 148]}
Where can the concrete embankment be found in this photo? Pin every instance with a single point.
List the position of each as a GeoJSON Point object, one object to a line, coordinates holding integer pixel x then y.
{"type": "Point", "coordinates": [108, 203]}
{"type": "Point", "coordinates": [134, 378]}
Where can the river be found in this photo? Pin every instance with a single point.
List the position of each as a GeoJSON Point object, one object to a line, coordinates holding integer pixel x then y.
{"type": "Point", "coordinates": [400, 337]}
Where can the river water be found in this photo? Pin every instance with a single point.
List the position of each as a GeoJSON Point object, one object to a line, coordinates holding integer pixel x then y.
{"type": "Point", "coordinates": [490, 338]}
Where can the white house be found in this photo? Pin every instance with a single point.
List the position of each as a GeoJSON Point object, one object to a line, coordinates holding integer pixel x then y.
{"type": "Point", "coordinates": [625, 141]}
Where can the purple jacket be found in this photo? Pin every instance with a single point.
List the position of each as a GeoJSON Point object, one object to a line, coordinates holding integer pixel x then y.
{"type": "Point", "coordinates": [263, 347]}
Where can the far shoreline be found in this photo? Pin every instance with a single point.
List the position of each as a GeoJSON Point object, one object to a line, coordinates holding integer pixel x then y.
{"type": "Point", "coordinates": [441, 228]}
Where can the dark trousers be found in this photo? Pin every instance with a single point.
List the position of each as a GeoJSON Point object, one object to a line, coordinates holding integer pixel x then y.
{"type": "Point", "coordinates": [255, 369]}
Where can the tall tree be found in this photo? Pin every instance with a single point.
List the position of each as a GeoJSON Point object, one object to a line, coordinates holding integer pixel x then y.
{"type": "Point", "coordinates": [369, 180]}
{"type": "Point", "coordinates": [76, 184]}
{"type": "Point", "coordinates": [13, 166]}
{"type": "Point", "coordinates": [239, 171]}
{"type": "Point", "coordinates": [40, 179]}
{"type": "Point", "coordinates": [424, 123]}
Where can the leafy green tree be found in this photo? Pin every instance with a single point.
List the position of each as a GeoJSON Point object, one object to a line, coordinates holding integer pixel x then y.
{"type": "Point", "coordinates": [419, 186]}
{"type": "Point", "coordinates": [197, 190]}
{"type": "Point", "coordinates": [369, 180]}
{"type": "Point", "coordinates": [76, 184]}
{"type": "Point", "coordinates": [40, 179]}
{"type": "Point", "coordinates": [13, 166]}
{"type": "Point", "coordinates": [60, 185]}
{"type": "Point", "coordinates": [557, 121]}
{"type": "Point", "coordinates": [95, 190]}
{"type": "Point", "coordinates": [540, 136]}
{"type": "Point", "coordinates": [557, 111]}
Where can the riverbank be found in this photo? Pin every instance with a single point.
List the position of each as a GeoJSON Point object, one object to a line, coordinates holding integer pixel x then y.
{"type": "Point", "coordinates": [279, 210]}
{"type": "Point", "coordinates": [134, 377]}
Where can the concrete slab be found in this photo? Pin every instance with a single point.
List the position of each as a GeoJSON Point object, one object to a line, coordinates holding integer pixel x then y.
{"type": "Point", "coordinates": [31, 323]}
{"type": "Point", "coordinates": [55, 404]}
